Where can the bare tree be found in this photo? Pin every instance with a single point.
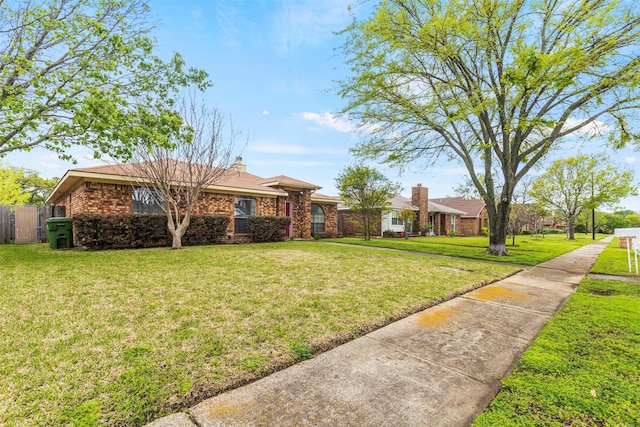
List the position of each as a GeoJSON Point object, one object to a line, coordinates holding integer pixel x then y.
{"type": "Point", "coordinates": [173, 178]}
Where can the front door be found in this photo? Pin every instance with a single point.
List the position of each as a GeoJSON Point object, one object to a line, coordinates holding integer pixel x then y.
{"type": "Point", "coordinates": [287, 213]}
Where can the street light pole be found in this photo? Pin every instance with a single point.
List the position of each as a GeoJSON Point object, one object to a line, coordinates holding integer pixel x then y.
{"type": "Point", "coordinates": [593, 212]}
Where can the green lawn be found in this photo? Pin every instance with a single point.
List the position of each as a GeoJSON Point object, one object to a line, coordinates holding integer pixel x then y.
{"type": "Point", "coordinates": [123, 337]}
{"type": "Point", "coordinates": [614, 260]}
{"type": "Point", "coordinates": [528, 250]}
{"type": "Point", "coordinates": [583, 369]}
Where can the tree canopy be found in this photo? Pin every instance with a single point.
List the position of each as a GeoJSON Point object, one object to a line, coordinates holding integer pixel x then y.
{"type": "Point", "coordinates": [368, 193]}
{"type": "Point", "coordinates": [21, 186]}
{"type": "Point", "coordinates": [84, 72]}
{"type": "Point", "coordinates": [493, 84]}
{"type": "Point", "coordinates": [572, 185]}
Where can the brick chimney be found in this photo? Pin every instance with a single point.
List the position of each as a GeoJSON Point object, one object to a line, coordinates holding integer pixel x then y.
{"type": "Point", "coordinates": [238, 165]}
{"type": "Point", "coordinates": [420, 198]}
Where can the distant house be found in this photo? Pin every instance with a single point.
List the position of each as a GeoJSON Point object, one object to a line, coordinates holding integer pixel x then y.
{"type": "Point", "coordinates": [474, 218]}
{"type": "Point", "coordinates": [111, 190]}
{"type": "Point", "coordinates": [433, 216]}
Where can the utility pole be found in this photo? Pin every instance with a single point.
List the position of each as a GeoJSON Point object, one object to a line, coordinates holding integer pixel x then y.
{"type": "Point", "coordinates": [593, 212]}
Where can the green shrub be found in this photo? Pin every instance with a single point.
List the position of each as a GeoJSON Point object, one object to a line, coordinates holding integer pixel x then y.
{"type": "Point", "coordinates": [206, 230]}
{"type": "Point", "coordinates": [389, 233]}
{"type": "Point", "coordinates": [267, 228]}
{"type": "Point", "coordinates": [98, 232]}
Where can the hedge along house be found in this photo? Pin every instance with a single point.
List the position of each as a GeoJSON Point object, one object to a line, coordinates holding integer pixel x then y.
{"type": "Point", "coordinates": [112, 190]}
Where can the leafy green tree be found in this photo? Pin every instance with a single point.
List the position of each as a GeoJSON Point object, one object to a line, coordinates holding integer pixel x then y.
{"type": "Point", "coordinates": [607, 222]}
{"type": "Point", "coordinates": [84, 72]}
{"type": "Point", "coordinates": [21, 186]}
{"type": "Point", "coordinates": [494, 84]}
{"type": "Point", "coordinates": [408, 217]}
{"type": "Point", "coordinates": [367, 192]}
{"type": "Point", "coordinates": [582, 182]}
{"type": "Point", "coordinates": [10, 189]}
{"type": "Point", "coordinates": [633, 220]}
{"type": "Point", "coordinates": [624, 212]}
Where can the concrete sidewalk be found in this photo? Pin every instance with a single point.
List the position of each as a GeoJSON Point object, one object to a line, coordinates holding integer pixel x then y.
{"type": "Point", "coordinates": [439, 367]}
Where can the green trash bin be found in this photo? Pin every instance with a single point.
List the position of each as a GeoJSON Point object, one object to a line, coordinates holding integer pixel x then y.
{"type": "Point", "coordinates": [60, 232]}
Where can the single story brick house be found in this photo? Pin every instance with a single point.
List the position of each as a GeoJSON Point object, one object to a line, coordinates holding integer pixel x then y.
{"type": "Point", "coordinates": [474, 217]}
{"type": "Point", "coordinates": [440, 216]}
{"type": "Point", "coordinates": [111, 190]}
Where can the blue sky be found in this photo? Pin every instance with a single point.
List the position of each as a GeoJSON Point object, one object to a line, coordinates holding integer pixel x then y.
{"type": "Point", "coordinates": [273, 64]}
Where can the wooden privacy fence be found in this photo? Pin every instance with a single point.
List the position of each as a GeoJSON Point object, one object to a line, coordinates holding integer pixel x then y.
{"type": "Point", "coordinates": [26, 224]}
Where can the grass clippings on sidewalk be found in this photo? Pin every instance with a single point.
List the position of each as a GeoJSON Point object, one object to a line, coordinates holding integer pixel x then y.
{"type": "Point", "coordinates": [124, 337]}
{"type": "Point", "coordinates": [528, 250]}
{"type": "Point", "coordinates": [583, 369]}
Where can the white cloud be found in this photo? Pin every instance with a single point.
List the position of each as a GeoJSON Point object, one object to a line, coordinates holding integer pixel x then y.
{"type": "Point", "coordinates": [328, 120]}
{"type": "Point", "coordinates": [308, 23]}
{"type": "Point", "coordinates": [630, 160]}
{"type": "Point", "coordinates": [595, 128]}
{"type": "Point", "coordinates": [265, 112]}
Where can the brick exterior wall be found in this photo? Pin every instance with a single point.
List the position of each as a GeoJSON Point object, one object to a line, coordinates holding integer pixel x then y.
{"type": "Point", "coordinates": [420, 198]}
{"type": "Point", "coordinates": [116, 199]}
{"type": "Point", "coordinates": [214, 204]}
{"type": "Point", "coordinates": [301, 215]}
{"type": "Point", "coordinates": [349, 224]}
{"type": "Point", "coordinates": [468, 226]}
{"type": "Point", "coordinates": [98, 198]}
{"type": "Point", "coordinates": [330, 220]}
{"type": "Point", "coordinates": [473, 226]}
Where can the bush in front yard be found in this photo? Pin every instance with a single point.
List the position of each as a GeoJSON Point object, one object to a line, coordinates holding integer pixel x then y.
{"type": "Point", "coordinates": [98, 232]}
{"type": "Point", "coordinates": [205, 230]}
{"type": "Point", "coordinates": [267, 228]}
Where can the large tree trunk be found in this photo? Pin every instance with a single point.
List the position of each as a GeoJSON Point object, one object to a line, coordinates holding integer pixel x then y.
{"type": "Point", "coordinates": [366, 226]}
{"type": "Point", "coordinates": [498, 228]}
{"type": "Point", "coordinates": [571, 228]}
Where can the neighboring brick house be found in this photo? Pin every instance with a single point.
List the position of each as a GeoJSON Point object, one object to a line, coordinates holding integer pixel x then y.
{"type": "Point", "coordinates": [474, 217]}
{"type": "Point", "coordinates": [440, 216]}
{"type": "Point", "coordinates": [111, 190]}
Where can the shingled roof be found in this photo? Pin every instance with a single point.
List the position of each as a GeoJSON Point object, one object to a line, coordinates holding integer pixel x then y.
{"type": "Point", "coordinates": [472, 208]}
{"type": "Point", "coordinates": [232, 181]}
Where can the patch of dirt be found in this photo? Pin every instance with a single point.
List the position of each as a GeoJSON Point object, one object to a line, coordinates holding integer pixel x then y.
{"type": "Point", "coordinates": [602, 292]}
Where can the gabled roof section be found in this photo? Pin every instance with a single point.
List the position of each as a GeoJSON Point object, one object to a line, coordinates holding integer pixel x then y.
{"type": "Point", "coordinates": [232, 181]}
{"type": "Point", "coordinates": [438, 208]}
{"type": "Point", "coordinates": [400, 202]}
{"type": "Point", "coordinates": [469, 207]}
{"type": "Point", "coordinates": [288, 182]}
{"type": "Point", "coordinates": [321, 198]}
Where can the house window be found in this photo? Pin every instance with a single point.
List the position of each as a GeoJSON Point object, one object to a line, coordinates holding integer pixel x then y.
{"type": "Point", "coordinates": [244, 208]}
{"type": "Point", "coordinates": [317, 218]}
{"type": "Point", "coordinates": [145, 201]}
{"type": "Point", "coordinates": [453, 222]}
{"type": "Point", "coordinates": [394, 218]}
